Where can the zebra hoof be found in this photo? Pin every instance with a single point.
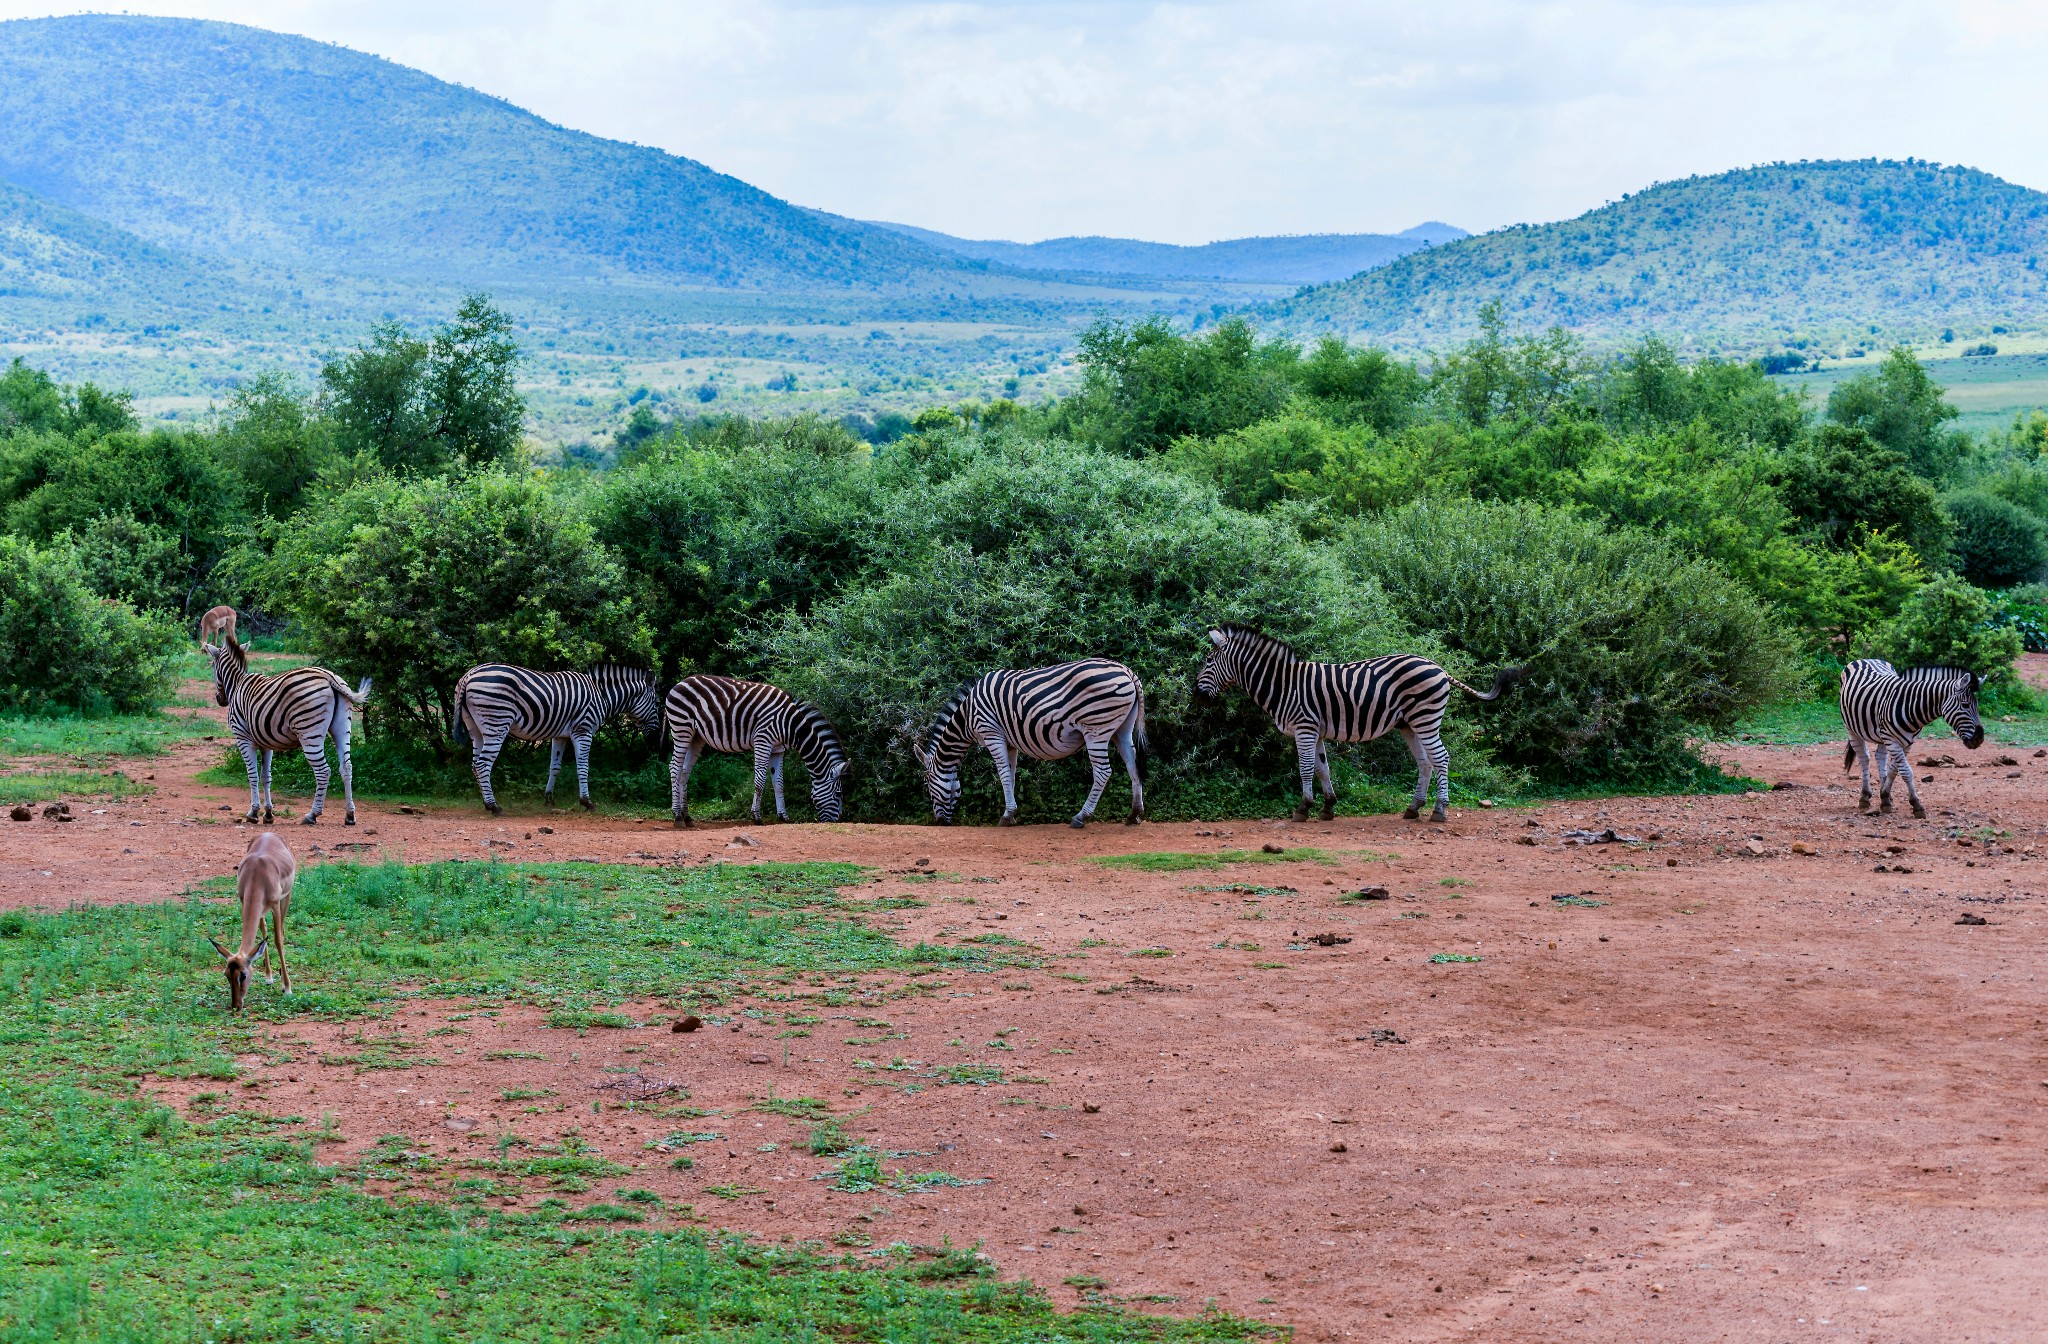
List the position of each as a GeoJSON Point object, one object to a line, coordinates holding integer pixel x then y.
{"type": "Point", "coordinates": [349, 820]}
{"type": "Point", "coordinates": [1009, 819]}
{"type": "Point", "coordinates": [588, 806]}
{"type": "Point", "coordinates": [1078, 822]}
{"type": "Point", "coordinates": [268, 816]}
{"type": "Point", "coordinates": [1300, 814]}
{"type": "Point", "coordinates": [494, 809]}
{"type": "Point", "coordinates": [1329, 812]}
{"type": "Point", "coordinates": [1412, 813]}
{"type": "Point", "coordinates": [1133, 819]}
{"type": "Point", "coordinates": [1919, 811]}
{"type": "Point", "coordinates": [310, 819]}
{"type": "Point", "coordinates": [1437, 816]}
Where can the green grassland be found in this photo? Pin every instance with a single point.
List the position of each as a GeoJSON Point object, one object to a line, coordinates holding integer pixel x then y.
{"type": "Point", "coordinates": [1989, 391]}
{"type": "Point", "coordinates": [121, 1218]}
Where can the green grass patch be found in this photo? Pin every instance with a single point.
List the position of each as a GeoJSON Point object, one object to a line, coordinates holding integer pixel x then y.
{"type": "Point", "coordinates": [1449, 958]}
{"type": "Point", "coordinates": [2008, 724]}
{"type": "Point", "coordinates": [125, 1219]}
{"type": "Point", "coordinates": [92, 741]}
{"type": "Point", "coordinates": [1171, 861]}
{"type": "Point", "coordinates": [39, 786]}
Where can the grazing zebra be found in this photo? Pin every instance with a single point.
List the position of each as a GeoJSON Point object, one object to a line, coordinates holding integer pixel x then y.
{"type": "Point", "coordinates": [1886, 709]}
{"type": "Point", "coordinates": [721, 714]}
{"type": "Point", "coordinates": [494, 701]}
{"type": "Point", "coordinates": [300, 708]}
{"type": "Point", "coordinates": [1046, 713]}
{"type": "Point", "coordinates": [1319, 703]}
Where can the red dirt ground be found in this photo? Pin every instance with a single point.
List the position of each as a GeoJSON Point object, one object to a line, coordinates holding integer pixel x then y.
{"type": "Point", "coordinates": [1752, 1096]}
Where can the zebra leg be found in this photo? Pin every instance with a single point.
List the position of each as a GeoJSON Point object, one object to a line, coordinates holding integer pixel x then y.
{"type": "Point", "coordinates": [250, 759]}
{"type": "Point", "coordinates": [1307, 748]}
{"type": "Point", "coordinates": [554, 769]}
{"type": "Point", "coordinates": [1128, 749]}
{"type": "Point", "coordinates": [1423, 773]}
{"type": "Point", "coordinates": [1889, 761]}
{"type": "Point", "coordinates": [582, 745]}
{"type": "Point", "coordinates": [265, 782]}
{"type": "Point", "coordinates": [1905, 770]}
{"type": "Point", "coordinates": [775, 769]}
{"type": "Point", "coordinates": [679, 763]}
{"type": "Point", "coordinates": [316, 756]}
{"type": "Point", "coordinates": [762, 754]}
{"type": "Point", "coordinates": [1440, 764]}
{"type": "Point", "coordinates": [1863, 764]}
{"type": "Point", "coordinates": [482, 756]}
{"type": "Point", "coordinates": [1006, 772]}
{"type": "Point", "coordinates": [1098, 779]}
{"type": "Point", "coordinates": [1323, 778]}
{"type": "Point", "coordinates": [346, 765]}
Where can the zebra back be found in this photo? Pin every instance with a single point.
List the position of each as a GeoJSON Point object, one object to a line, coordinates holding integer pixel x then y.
{"type": "Point", "coordinates": [1879, 702]}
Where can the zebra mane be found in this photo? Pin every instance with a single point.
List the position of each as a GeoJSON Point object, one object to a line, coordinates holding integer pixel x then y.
{"type": "Point", "coordinates": [1274, 641]}
{"type": "Point", "coordinates": [1942, 670]}
{"type": "Point", "coordinates": [818, 733]}
{"type": "Point", "coordinates": [946, 714]}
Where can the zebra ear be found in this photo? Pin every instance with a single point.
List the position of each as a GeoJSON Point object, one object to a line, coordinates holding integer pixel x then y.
{"type": "Point", "coordinates": [1216, 637]}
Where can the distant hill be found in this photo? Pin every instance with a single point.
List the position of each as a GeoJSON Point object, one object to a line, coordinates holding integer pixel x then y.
{"type": "Point", "coordinates": [1746, 258]}
{"type": "Point", "coordinates": [1290, 260]}
{"type": "Point", "coordinates": [215, 138]}
{"type": "Point", "coordinates": [47, 251]}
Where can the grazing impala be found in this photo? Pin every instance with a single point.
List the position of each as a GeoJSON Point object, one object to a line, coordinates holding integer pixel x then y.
{"type": "Point", "coordinates": [264, 881]}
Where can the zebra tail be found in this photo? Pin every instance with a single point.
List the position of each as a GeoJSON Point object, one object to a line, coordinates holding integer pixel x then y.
{"type": "Point", "coordinates": [356, 697]}
{"type": "Point", "coordinates": [461, 718]}
{"type": "Point", "coordinates": [1138, 728]}
{"type": "Point", "coordinates": [1848, 755]}
{"type": "Point", "coordinates": [1502, 679]}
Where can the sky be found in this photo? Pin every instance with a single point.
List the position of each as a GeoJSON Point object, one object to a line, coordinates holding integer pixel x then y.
{"type": "Point", "coordinates": [1189, 122]}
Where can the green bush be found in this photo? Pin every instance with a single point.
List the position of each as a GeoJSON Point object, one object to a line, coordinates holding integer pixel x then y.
{"type": "Point", "coordinates": [1948, 623]}
{"type": "Point", "coordinates": [62, 647]}
{"type": "Point", "coordinates": [1632, 647]}
{"type": "Point", "coordinates": [412, 581]}
{"type": "Point", "coordinates": [1012, 552]}
{"type": "Point", "coordinates": [1996, 543]}
{"type": "Point", "coordinates": [1847, 483]}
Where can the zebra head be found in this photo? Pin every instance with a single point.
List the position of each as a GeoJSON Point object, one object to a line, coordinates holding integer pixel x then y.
{"type": "Point", "coordinates": [230, 666]}
{"type": "Point", "coordinates": [1960, 708]}
{"type": "Point", "coordinates": [824, 759]}
{"type": "Point", "coordinates": [941, 759]}
{"type": "Point", "coordinates": [632, 691]}
{"type": "Point", "coordinates": [1219, 666]}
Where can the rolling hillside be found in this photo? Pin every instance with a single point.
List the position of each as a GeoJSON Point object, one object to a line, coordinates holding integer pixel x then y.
{"type": "Point", "coordinates": [1302, 259]}
{"type": "Point", "coordinates": [49, 252]}
{"type": "Point", "coordinates": [233, 141]}
{"type": "Point", "coordinates": [1846, 251]}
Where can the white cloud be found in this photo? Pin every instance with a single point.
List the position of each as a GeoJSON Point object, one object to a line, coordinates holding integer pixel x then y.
{"type": "Point", "coordinates": [1191, 121]}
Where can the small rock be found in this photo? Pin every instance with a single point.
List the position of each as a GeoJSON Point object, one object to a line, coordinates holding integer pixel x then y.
{"type": "Point", "coordinates": [2005, 760]}
{"type": "Point", "coordinates": [1486, 802]}
{"type": "Point", "coordinates": [1338, 1147]}
{"type": "Point", "coordinates": [1270, 848]}
{"type": "Point", "coordinates": [1753, 845]}
{"type": "Point", "coordinates": [1090, 1108]}
{"type": "Point", "coordinates": [1972, 919]}
{"type": "Point", "coordinates": [1325, 939]}
{"type": "Point", "coordinates": [1384, 1036]}
{"type": "Point", "coordinates": [1372, 894]}
{"type": "Point", "coordinates": [1671, 863]}
{"type": "Point", "coordinates": [737, 1025]}
{"type": "Point", "coordinates": [461, 1124]}
{"type": "Point", "coordinates": [758, 1058]}
{"type": "Point", "coordinates": [745, 840]}
{"type": "Point", "coordinates": [923, 863]}
{"type": "Point", "coordinates": [21, 812]}
{"type": "Point", "coordinates": [687, 1022]}
{"type": "Point", "coordinates": [1525, 839]}
{"type": "Point", "coordinates": [1080, 1212]}
{"type": "Point", "coordinates": [2042, 752]}
{"type": "Point", "coordinates": [1801, 847]}
{"type": "Point", "coordinates": [1784, 784]}
{"type": "Point", "coordinates": [545, 830]}
{"type": "Point", "coordinates": [408, 811]}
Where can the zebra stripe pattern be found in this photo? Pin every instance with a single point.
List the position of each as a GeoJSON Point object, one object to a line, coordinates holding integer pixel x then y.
{"type": "Point", "coordinates": [1319, 703]}
{"type": "Point", "coordinates": [1046, 713]}
{"type": "Point", "coordinates": [1885, 709]}
{"type": "Point", "coordinates": [494, 701]}
{"type": "Point", "coordinates": [301, 708]}
{"type": "Point", "coordinates": [751, 718]}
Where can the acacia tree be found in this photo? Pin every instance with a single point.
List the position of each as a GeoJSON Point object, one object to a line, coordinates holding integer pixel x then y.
{"type": "Point", "coordinates": [425, 405]}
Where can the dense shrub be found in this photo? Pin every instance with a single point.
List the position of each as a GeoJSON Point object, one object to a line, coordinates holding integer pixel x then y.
{"type": "Point", "coordinates": [1847, 483]}
{"type": "Point", "coordinates": [63, 647]}
{"type": "Point", "coordinates": [1632, 647]}
{"type": "Point", "coordinates": [737, 520]}
{"type": "Point", "coordinates": [413, 581]}
{"type": "Point", "coordinates": [1147, 385]}
{"type": "Point", "coordinates": [1010, 552]}
{"type": "Point", "coordinates": [1996, 543]}
{"type": "Point", "coordinates": [1948, 623]}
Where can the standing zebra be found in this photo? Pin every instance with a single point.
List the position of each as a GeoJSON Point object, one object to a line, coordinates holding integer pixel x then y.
{"type": "Point", "coordinates": [494, 701]}
{"type": "Point", "coordinates": [1319, 703]}
{"type": "Point", "coordinates": [1048, 714]}
{"type": "Point", "coordinates": [1886, 709]}
{"type": "Point", "coordinates": [300, 708]}
{"type": "Point", "coordinates": [721, 714]}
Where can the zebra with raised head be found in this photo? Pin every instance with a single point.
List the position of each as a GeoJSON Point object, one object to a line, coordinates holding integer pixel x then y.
{"type": "Point", "coordinates": [301, 708]}
{"type": "Point", "coordinates": [1319, 703]}
{"type": "Point", "coordinates": [749, 717]}
{"type": "Point", "coordinates": [494, 701]}
{"type": "Point", "coordinates": [1886, 709]}
{"type": "Point", "coordinates": [1048, 714]}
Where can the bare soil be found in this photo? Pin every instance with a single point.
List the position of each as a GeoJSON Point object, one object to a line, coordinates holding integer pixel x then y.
{"type": "Point", "coordinates": [1755, 1093]}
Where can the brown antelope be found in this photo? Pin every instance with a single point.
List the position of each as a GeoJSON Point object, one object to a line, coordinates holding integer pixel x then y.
{"type": "Point", "coordinates": [220, 618]}
{"type": "Point", "coordinates": [264, 881]}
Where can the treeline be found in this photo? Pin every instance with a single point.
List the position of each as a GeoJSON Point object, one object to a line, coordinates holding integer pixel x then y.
{"type": "Point", "coordinates": [1665, 545]}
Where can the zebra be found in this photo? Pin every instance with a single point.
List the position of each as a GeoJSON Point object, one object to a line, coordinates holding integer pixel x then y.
{"type": "Point", "coordinates": [494, 701]}
{"type": "Point", "coordinates": [300, 708]}
{"type": "Point", "coordinates": [1048, 714]}
{"type": "Point", "coordinates": [1319, 703]}
{"type": "Point", "coordinates": [1887, 709]}
{"type": "Point", "coordinates": [707, 713]}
